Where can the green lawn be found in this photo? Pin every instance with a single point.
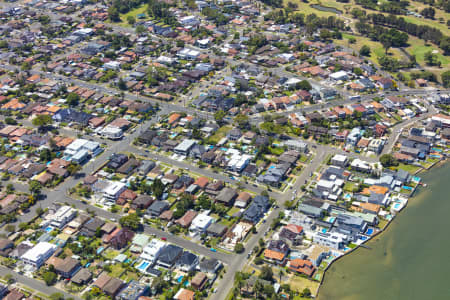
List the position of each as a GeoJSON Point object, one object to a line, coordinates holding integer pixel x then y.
{"type": "Point", "coordinates": [376, 48]}
{"type": "Point", "coordinates": [418, 48]}
{"type": "Point", "coordinates": [409, 168]}
{"type": "Point", "coordinates": [140, 10]}
{"type": "Point", "coordinates": [350, 187]}
{"type": "Point", "coordinates": [219, 134]}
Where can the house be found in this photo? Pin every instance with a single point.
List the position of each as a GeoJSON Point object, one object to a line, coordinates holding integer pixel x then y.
{"type": "Point", "coordinates": [258, 207]}
{"type": "Point", "coordinates": [210, 265]}
{"type": "Point", "coordinates": [90, 227]}
{"type": "Point", "coordinates": [184, 294]}
{"type": "Point", "coordinates": [376, 145]}
{"type": "Point", "coordinates": [67, 267]}
{"type": "Point", "coordinates": [292, 233]}
{"type": "Point", "coordinates": [242, 200]}
{"type": "Point", "coordinates": [199, 281]}
{"type": "Point", "coordinates": [157, 208]}
{"type": "Point", "coordinates": [141, 202]}
{"type": "Point", "coordinates": [226, 196]}
{"type": "Point", "coordinates": [109, 285]}
{"type": "Point", "coordinates": [169, 255]}
{"type": "Point", "coordinates": [37, 255]}
{"type": "Point", "coordinates": [200, 223]}
{"type": "Point", "coordinates": [185, 221]}
{"type": "Point", "coordinates": [133, 291]}
{"type": "Point", "coordinates": [216, 230]}
{"type": "Point", "coordinates": [276, 252]}
{"type": "Point", "coordinates": [6, 246]}
{"type": "Point", "coordinates": [119, 238]}
{"type": "Point", "coordinates": [14, 294]}
{"type": "Point", "coordinates": [330, 239]}
{"type": "Point", "coordinates": [339, 160]}
{"type": "Point", "coordinates": [184, 147]}
{"type": "Point", "coordinates": [296, 145]}
{"type": "Point", "coordinates": [302, 266]}
{"type": "Point", "coordinates": [82, 277]}
{"type": "Point", "coordinates": [187, 261]}
{"type": "Point", "coordinates": [152, 250]}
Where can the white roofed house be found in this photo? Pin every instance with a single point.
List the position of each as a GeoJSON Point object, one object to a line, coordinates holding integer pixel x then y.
{"type": "Point", "coordinates": [61, 217]}
{"type": "Point", "coordinates": [37, 255]}
{"type": "Point", "coordinates": [152, 251]}
{"type": "Point", "coordinates": [113, 190]}
{"type": "Point", "coordinates": [200, 223]}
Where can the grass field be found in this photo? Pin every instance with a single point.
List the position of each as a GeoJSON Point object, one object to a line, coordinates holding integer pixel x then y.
{"type": "Point", "coordinates": [376, 48]}
{"type": "Point", "coordinates": [299, 283]}
{"type": "Point", "coordinates": [140, 10]}
{"type": "Point", "coordinates": [418, 48]}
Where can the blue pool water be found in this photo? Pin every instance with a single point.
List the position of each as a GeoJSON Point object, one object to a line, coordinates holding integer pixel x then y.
{"type": "Point", "coordinates": [180, 279]}
{"type": "Point", "coordinates": [223, 149]}
{"type": "Point", "coordinates": [415, 178]}
{"type": "Point", "coordinates": [324, 230]}
{"type": "Point", "coordinates": [143, 266]}
{"type": "Point", "coordinates": [87, 265]}
{"type": "Point", "coordinates": [100, 250]}
{"type": "Point", "coordinates": [211, 146]}
{"type": "Point", "coordinates": [407, 188]}
{"type": "Point", "coordinates": [332, 219]}
{"type": "Point", "coordinates": [397, 205]}
{"type": "Point", "coordinates": [48, 229]}
{"type": "Point", "coordinates": [369, 231]}
{"type": "Point", "coordinates": [436, 149]}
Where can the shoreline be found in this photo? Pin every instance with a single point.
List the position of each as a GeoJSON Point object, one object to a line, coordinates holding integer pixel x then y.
{"type": "Point", "coordinates": [422, 170]}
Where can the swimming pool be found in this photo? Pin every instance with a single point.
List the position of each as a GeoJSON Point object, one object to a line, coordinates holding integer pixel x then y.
{"type": "Point", "coordinates": [143, 266]}
{"type": "Point", "coordinates": [100, 250]}
{"type": "Point", "coordinates": [369, 231]}
{"type": "Point", "coordinates": [180, 279]}
{"type": "Point", "coordinates": [397, 206]}
{"type": "Point", "coordinates": [49, 229]}
{"type": "Point", "coordinates": [324, 230]}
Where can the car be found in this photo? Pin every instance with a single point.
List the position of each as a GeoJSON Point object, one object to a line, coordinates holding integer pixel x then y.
{"type": "Point", "coordinates": [113, 219]}
{"type": "Point", "coordinates": [248, 255]}
{"type": "Point", "coordinates": [164, 238]}
{"type": "Point", "coordinates": [186, 168]}
{"type": "Point", "coordinates": [213, 250]}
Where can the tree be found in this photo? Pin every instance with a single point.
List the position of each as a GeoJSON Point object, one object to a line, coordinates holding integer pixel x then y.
{"type": "Point", "coordinates": [446, 79]}
{"type": "Point", "coordinates": [122, 84]}
{"type": "Point", "coordinates": [49, 277]}
{"type": "Point", "coordinates": [306, 293]}
{"type": "Point", "coordinates": [386, 41]}
{"type": "Point", "coordinates": [239, 248]}
{"type": "Point", "coordinates": [34, 187]}
{"type": "Point", "coordinates": [266, 273]}
{"type": "Point", "coordinates": [42, 120]}
{"type": "Point", "coordinates": [365, 50]}
{"type": "Point", "coordinates": [113, 14]}
{"type": "Point", "coordinates": [241, 120]}
{"type": "Point", "coordinates": [140, 29]}
{"type": "Point", "coordinates": [131, 221]}
{"type": "Point", "coordinates": [219, 115]}
{"type": "Point", "coordinates": [387, 160]}
{"type": "Point", "coordinates": [131, 20]}
{"type": "Point", "coordinates": [72, 99]}
{"type": "Point", "coordinates": [157, 188]}
{"type": "Point", "coordinates": [304, 85]}
{"type": "Point", "coordinates": [10, 121]}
